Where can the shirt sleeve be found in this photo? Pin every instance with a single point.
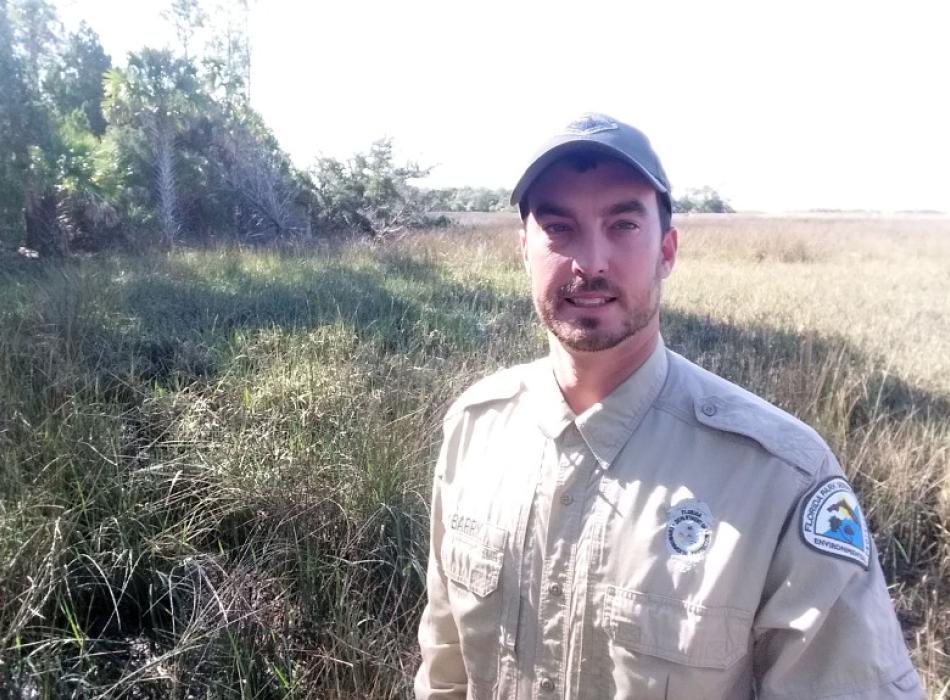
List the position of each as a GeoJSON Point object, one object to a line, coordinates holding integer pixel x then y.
{"type": "Point", "coordinates": [826, 627]}
{"type": "Point", "coordinates": [442, 673]}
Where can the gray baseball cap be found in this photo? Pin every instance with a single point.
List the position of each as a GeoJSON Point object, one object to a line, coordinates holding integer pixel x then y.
{"type": "Point", "coordinates": [598, 132]}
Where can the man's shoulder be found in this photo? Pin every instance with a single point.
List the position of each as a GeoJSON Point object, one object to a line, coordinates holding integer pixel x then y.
{"type": "Point", "coordinates": [714, 403]}
{"type": "Point", "coordinates": [504, 385]}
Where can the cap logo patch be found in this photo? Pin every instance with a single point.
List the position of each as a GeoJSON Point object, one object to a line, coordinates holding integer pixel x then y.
{"type": "Point", "coordinates": [832, 522]}
{"type": "Point", "coordinates": [688, 531]}
{"type": "Point", "coordinates": [590, 124]}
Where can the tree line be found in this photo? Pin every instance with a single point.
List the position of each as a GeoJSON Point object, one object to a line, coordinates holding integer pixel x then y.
{"type": "Point", "coordinates": [458, 199]}
{"type": "Point", "coordinates": [702, 200]}
{"type": "Point", "coordinates": [165, 148]}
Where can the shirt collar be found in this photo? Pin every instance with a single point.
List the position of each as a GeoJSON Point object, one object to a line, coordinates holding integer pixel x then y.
{"type": "Point", "coordinates": [606, 426]}
{"type": "Point", "coordinates": [553, 413]}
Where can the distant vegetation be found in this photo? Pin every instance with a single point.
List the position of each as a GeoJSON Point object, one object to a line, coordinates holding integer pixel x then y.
{"type": "Point", "coordinates": [703, 200]}
{"type": "Point", "coordinates": [458, 199]}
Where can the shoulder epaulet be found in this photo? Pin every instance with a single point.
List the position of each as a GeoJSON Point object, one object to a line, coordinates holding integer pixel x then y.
{"type": "Point", "coordinates": [500, 386]}
{"type": "Point", "coordinates": [776, 431]}
{"type": "Point", "coordinates": [721, 405]}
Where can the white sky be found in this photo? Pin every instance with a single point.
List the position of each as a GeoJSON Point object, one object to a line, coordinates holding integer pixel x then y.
{"type": "Point", "coordinates": [779, 106]}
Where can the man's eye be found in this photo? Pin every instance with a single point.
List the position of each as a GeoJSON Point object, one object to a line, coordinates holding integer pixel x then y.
{"type": "Point", "coordinates": [557, 228]}
{"type": "Point", "coordinates": [626, 225]}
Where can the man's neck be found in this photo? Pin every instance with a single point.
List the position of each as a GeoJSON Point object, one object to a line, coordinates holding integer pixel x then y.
{"type": "Point", "coordinates": [585, 378]}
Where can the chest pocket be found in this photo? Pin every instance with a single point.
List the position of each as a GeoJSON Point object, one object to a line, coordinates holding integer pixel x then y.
{"type": "Point", "coordinates": [670, 629]}
{"type": "Point", "coordinates": [471, 563]}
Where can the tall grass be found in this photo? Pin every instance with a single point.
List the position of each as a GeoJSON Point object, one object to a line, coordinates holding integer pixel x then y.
{"type": "Point", "coordinates": [214, 464]}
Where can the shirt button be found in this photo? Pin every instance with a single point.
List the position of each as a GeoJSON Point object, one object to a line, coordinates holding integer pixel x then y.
{"type": "Point", "coordinates": [567, 499]}
{"type": "Point", "coordinates": [709, 409]}
{"type": "Point", "coordinates": [547, 685]}
{"type": "Point", "coordinates": [555, 589]}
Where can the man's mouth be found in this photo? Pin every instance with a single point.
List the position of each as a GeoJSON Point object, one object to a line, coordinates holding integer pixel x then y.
{"type": "Point", "coordinates": [588, 294]}
{"type": "Point", "coordinates": [589, 302]}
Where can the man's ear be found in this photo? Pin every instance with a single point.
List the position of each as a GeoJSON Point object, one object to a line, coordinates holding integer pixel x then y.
{"type": "Point", "coordinates": [669, 244]}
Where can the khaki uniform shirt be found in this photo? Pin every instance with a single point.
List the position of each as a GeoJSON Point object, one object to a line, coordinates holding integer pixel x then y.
{"type": "Point", "coordinates": [681, 539]}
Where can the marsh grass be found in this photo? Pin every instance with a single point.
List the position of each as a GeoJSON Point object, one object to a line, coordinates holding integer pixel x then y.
{"type": "Point", "coordinates": [215, 464]}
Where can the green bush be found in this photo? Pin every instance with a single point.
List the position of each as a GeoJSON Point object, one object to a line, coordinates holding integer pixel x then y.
{"type": "Point", "coordinates": [704, 200]}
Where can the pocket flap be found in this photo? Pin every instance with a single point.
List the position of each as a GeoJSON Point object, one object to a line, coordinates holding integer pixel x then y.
{"type": "Point", "coordinates": [675, 630]}
{"type": "Point", "coordinates": [473, 564]}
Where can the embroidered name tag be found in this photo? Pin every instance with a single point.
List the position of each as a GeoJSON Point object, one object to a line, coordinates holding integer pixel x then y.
{"type": "Point", "coordinates": [482, 532]}
{"type": "Point", "coordinates": [832, 522]}
{"type": "Point", "coordinates": [467, 526]}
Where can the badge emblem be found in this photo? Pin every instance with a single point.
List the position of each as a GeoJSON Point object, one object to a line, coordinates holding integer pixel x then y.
{"type": "Point", "coordinates": [689, 530]}
{"type": "Point", "coordinates": [590, 124]}
{"type": "Point", "coordinates": [832, 522]}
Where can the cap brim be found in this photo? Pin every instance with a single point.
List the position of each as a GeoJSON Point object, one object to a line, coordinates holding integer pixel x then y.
{"type": "Point", "coordinates": [576, 144]}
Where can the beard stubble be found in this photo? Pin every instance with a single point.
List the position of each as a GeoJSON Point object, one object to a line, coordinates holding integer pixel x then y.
{"type": "Point", "coordinates": [586, 333]}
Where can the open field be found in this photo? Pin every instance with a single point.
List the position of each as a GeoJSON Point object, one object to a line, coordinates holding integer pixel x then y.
{"type": "Point", "coordinates": [214, 464]}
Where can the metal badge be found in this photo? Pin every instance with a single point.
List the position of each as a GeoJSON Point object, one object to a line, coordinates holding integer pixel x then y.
{"type": "Point", "coordinates": [689, 531]}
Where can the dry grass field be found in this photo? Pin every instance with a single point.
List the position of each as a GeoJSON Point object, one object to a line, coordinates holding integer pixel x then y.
{"type": "Point", "coordinates": [214, 464]}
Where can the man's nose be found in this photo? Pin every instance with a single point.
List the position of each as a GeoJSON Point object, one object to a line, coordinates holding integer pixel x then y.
{"type": "Point", "coordinates": [590, 257]}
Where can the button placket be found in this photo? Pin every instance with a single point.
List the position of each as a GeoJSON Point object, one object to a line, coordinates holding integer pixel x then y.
{"type": "Point", "coordinates": [534, 557]}
{"type": "Point", "coordinates": [520, 543]}
{"type": "Point", "coordinates": [563, 532]}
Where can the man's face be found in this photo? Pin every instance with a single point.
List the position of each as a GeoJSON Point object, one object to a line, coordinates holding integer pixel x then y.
{"type": "Point", "coordinates": [595, 253]}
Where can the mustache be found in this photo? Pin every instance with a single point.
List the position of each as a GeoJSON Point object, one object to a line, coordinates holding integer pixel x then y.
{"type": "Point", "coordinates": [580, 285]}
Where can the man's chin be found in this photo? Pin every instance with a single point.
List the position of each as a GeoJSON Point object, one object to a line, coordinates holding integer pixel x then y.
{"type": "Point", "coordinates": [580, 339]}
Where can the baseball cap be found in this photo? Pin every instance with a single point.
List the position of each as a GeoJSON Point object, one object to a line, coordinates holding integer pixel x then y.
{"type": "Point", "coordinates": [598, 132]}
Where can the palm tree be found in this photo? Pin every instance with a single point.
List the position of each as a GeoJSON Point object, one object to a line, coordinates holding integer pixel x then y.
{"type": "Point", "coordinates": [159, 94]}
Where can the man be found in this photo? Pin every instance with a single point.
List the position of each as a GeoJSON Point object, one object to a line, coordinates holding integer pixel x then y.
{"type": "Point", "coordinates": [613, 521]}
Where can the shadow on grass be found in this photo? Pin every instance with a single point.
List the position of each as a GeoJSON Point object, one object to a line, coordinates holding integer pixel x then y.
{"type": "Point", "coordinates": [182, 317]}
{"type": "Point", "coordinates": [185, 307]}
{"type": "Point", "coordinates": [733, 352]}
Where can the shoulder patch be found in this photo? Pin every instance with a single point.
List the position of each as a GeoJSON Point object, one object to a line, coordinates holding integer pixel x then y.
{"type": "Point", "coordinates": [831, 522]}
{"type": "Point", "coordinates": [775, 430]}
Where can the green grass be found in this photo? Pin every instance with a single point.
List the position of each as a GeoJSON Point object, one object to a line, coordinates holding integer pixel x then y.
{"type": "Point", "coordinates": [215, 464]}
